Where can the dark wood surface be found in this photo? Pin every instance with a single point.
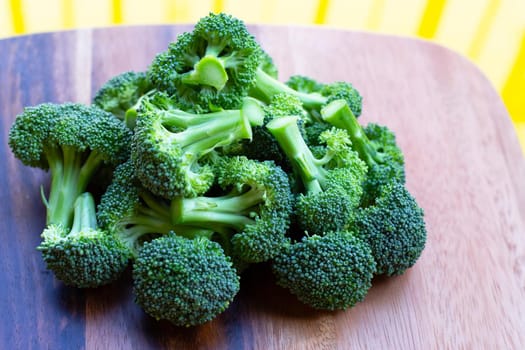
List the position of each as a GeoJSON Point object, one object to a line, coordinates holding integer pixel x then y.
{"type": "Point", "coordinates": [464, 166]}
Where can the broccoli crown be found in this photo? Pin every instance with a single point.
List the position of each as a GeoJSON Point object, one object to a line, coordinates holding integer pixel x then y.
{"type": "Point", "coordinates": [73, 141]}
{"type": "Point", "coordinates": [303, 83]}
{"type": "Point", "coordinates": [187, 282]}
{"type": "Point", "coordinates": [254, 211]}
{"type": "Point", "coordinates": [212, 65]}
{"type": "Point", "coordinates": [170, 146]}
{"type": "Point", "coordinates": [328, 272]}
{"type": "Point", "coordinates": [267, 65]}
{"type": "Point", "coordinates": [394, 228]}
{"type": "Point", "coordinates": [85, 256]}
{"type": "Point", "coordinates": [122, 92]}
{"type": "Point", "coordinates": [345, 91]}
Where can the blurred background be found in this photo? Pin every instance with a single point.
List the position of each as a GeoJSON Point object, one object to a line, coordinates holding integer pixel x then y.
{"type": "Point", "coordinates": [491, 33]}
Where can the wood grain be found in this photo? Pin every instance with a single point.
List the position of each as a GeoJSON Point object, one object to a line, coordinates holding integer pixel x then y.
{"type": "Point", "coordinates": [464, 166]}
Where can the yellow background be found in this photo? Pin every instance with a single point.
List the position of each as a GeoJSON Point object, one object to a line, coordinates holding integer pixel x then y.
{"type": "Point", "coordinates": [489, 32]}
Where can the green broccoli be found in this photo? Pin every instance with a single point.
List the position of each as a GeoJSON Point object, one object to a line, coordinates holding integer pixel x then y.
{"type": "Point", "coordinates": [121, 93]}
{"type": "Point", "coordinates": [171, 148]}
{"type": "Point", "coordinates": [376, 146]}
{"type": "Point", "coordinates": [85, 256]}
{"type": "Point", "coordinates": [332, 183]}
{"type": "Point", "coordinates": [73, 141]}
{"type": "Point", "coordinates": [254, 210]}
{"type": "Point", "coordinates": [394, 228]}
{"type": "Point", "coordinates": [187, 282]}
{"type": "Point", "coordinates": [211, 66]}
{"type": "Point", "coordinates": [329, 272]}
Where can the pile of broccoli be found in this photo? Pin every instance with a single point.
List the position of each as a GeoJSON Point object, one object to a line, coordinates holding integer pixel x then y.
{"type": "Point", "coordinates": [211, 164]}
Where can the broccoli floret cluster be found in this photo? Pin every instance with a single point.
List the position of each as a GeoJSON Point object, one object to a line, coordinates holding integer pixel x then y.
{"type": "Point", "coordinates": [215, 165]}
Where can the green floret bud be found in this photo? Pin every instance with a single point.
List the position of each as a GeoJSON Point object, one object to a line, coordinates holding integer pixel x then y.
{"type": "Point", "coordinates": [85, 256]}
{"type": "Point", "coordinates": [170, 146]}
{"type": "Point", "coordinates": [327, 272]}
{"type": "Point", "coordinates": [303, 83]}
{"type": "Point", "coordinates": [122, 92]}
{"type": "Point", "coordinates": [187, 282]}
{"type": "Point", "coordinates": [73, 141]}
{"type": "Point", "coordinates": [375, 145]}
{"type": "Point", "coordinates": [394, 227]}
{"type": "Point", "coordinates": [214, 65]}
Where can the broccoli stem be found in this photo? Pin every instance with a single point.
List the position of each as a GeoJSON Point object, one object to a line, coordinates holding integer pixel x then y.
{"type": "Point", "coordinates": [266, 87]}
{"type": "Point", "coordinates": [84, 217]}
{"type": "Point", "coordinates": [70, 174]}
{"type": "Point", "coordinates": [215, 132]}
{"type": "Point", "coordinates": [209, 71]}
{"type": "Point", "coordinates": [224, 211]}
{"type": "Point", "coordinates": [339, 114]}
{"type": "Point", "coordinates": [310, 169]}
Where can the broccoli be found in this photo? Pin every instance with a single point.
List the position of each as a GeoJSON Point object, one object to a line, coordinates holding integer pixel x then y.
{"type": "Point", "coordinates": [263, 146]}
{"type": "Point", "coordinates": [394, 227]}
{"type": "Point", "coordinates": [332, 183]}
{"type": "Point", "coordinates": [171, 148]}
{"type": "Point", "coordinates": [187, 282]}
{"type": "Point", "coordinates": [121, 93]}
{"type": "Point", "coordinates": [211, 66]}
{"type": "Point", "coordinates": [304, 84]}
{"type": "Point", "coordinates": [85, 256]}
{"type": "Point", "coordinates": [254, 211]}
{"type": "Point", "coordinates": [330, 272]}
{"type": "Point", "coordinates": [376, 146]}
{"type": "Point", "coordinates": [73, 141]}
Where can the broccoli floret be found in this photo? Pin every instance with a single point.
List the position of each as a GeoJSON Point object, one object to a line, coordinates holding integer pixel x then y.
{"type": "Point", "coordinates": [214, 65]}
{"type": "Point", "coordinates": [263, 146]}
{"type": "Point", "coordinates": [394, 227]}
{"type": "Point", "coordinates": [375, 145]}
{"type": "Point", "coordinates": [72, 141]}
{"type": "Point", "coordinates": [187, 282]}
{"type": "Point", "coordinates": [170, 146]}
{"type": "Point", "coordinates": [332, 183]}
{"type": "Point", "coordinates": [328, 272]}
{"type": "Point", "coordinates": [120, 93]}
{"type": "Point", "coordinates": [267, 65]}
{"type": "Point", "coordinates": [254, 211]}
{"type": "Point", "coordinates": [85, 256]}
{"type": "Point", "coordinates": [265, 87]}
{"type": "Point", "coordinates": [303, 83]}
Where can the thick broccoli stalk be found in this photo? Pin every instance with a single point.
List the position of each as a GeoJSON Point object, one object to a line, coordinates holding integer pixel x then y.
{"type": "Point", "coordinates": [254, 214]}
{"type": "Point", "coordinates": [213, 65]}
{"type": "Point", "coordinates": [73, 141]}
{"type": "Point", "coordinates": [332, 183]}
{"type": "Point", "coordinates": [85, 256]}
{"type": "Point", "coordinates": [329, 272]}
{"type": "Point", "coordinates": [376, 146]}
{"type": "Point", "coordinates": [120, 94]}
{"type": "Point", "coordinates": [394, 228]}
{"type": "Point", "coordinates": [170, 146]}
{"type": "Point", "coordinates": [187, 282]}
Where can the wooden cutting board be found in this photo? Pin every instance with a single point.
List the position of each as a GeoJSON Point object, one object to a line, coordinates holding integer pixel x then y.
{"type": "Point", "coordinates": [464, 166]}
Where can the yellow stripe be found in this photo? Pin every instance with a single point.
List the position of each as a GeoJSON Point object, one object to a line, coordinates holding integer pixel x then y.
{"type": "Point", "coordinates": [513, 92]}
{"type": "Point", "coordinates": [116, 11]}
{"type": "Point", "coordinates": [375, 15]}
{"type": "Point", "coordinates": [68, 14]}
{"type": "Point", "coordinates": [17, 16]}
{"type": "Point", "coordinates": [218, 6]}
{"type": "Point", "coordinates": [484, 27]}
{"type": "Point", "coordinates": [322, 10]}
{"type": "Point", "coordinates": [431, 17]}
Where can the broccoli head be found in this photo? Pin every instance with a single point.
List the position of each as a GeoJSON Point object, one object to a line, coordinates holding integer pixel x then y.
{"type": "Point", "coordinates": [170, 146]}
{"type": "Point", "coordinates": [85, 256]}
{"type": "Point", "coordinates": [73, 141]}
{"type": "Point", "coordinates": [394, 228]}
{"type": "Point", "coordinates": [187, 282]}
{"type": "Point", "coordinates": [213, 65]}
{"type": "Point", "coordinates": [329, 272]}
{"type": "Point", "coordinates": [120, 93]}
